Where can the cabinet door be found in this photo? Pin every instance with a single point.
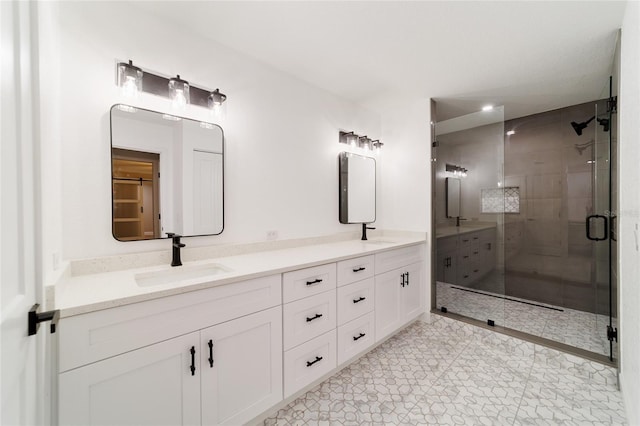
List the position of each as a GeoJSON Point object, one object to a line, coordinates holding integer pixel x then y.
{"type": "Point", "coordinates": [149, 386]}
{"type": "Point", "coordinates": [241, 367]}
{"type": "Point", "coordinates": [388, 303]}
{"type": "Point", "coordinates": [413, 302]}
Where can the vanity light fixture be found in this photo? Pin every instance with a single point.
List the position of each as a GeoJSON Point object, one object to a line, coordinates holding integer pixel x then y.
{"type": "Point", "coordinates": [133, 80]}
{"type": "Point", "coordinates": [511, 132]}
{"type": "Point", "coordinates": [129, 79]}
{"type": "Point", "coordinates": [456, 170]}
{"type": "Point", "coordinates": [179, 92]}
{"type": "Point", "coordinates": [357, 141]}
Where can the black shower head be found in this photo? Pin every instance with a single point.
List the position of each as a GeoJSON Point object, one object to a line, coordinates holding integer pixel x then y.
{"type": "Point", "coordinates": [579, 127]}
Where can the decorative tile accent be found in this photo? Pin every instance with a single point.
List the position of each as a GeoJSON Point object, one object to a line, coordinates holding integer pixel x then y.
{"type": "Point", "coordinates": [447, 372]}
{"type": "Point", "coordinates": [500, 200]}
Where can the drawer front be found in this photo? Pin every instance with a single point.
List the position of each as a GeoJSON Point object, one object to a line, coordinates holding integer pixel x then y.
{"type": "Point", "coordinates": [307, 282]}
{"type": "Point", "coordinates": [393, 259]}
{"type": "Point", "coordinates": [355, 337]}
{"type": "Point", "coordinates": [309, 362]}
{"type": "Point", "coordinates": [102, 334]}
{"type": "Point", "coordinates": [352, 270]}
{"type": "Point", "coordinates": [308, 318]}
{"type": "Point", "coordinates": [446, 244]}
{"type": "Point", "coordinates": [355, 300]}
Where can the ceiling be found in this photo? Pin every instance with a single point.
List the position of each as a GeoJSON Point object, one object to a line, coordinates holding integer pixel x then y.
{"type": "Point", "coordinates": [529, 56]}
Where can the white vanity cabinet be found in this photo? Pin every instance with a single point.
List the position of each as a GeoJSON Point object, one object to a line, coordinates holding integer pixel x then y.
{"type": "Point", "coordinates": [230, 353]}
{"type": "Point", "coordinates": [148, 386]}
{"type": "Point", "coordinates": [226, 373]}
{"type": "Point", "coordinates": [399, 288]}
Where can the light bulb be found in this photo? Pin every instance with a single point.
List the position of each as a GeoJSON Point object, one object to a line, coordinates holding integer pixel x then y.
{"type": "Point", "coordinates": [511, 132]}
{"type": "Point", "coordinates": [179, 93]}
{"type": "Point", "coordinates": [129, 79]}
{"type": "Point", "coordinates": [216, 103]}
{"type": "Point", "coordinates": [487, 107]}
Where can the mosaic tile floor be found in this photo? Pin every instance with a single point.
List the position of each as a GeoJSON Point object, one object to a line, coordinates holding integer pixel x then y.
{"type": "Point", "coordinates": [583, 330]}
{"type": "Point", "coordinates": [449, 372]}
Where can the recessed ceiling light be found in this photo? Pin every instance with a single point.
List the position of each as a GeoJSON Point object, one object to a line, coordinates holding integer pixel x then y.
{"type": "Point", "coordinates": [487, 107]}
{"type": "Point", "coordinates": [511, 132]}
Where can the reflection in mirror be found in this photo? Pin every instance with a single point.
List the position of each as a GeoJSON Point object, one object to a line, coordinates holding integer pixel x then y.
{"type": "Point", "coordinates": [357, 188]}
{"type": "Point", "coordinates": [167, 175]}
{"type": "Point", "coordinates": [452, 189]}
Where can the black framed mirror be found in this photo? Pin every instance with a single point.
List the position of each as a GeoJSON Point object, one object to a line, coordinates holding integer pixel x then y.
{"type": "Point", "coordinates": [167, 175]}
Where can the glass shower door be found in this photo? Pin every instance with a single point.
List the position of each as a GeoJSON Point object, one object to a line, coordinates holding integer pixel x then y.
{"type": "Point", "coordinates": [469, 214]}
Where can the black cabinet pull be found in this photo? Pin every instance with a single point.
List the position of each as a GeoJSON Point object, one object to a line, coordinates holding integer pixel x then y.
{"type": "Point", "coordinates": [407, 278]}
{"type": "Point", "coordinates": [465, 241]}
{"type": "Point", "coordinates": [475, 252]}
{"type": "Point", "coordinates": [210, 352]}
{"type": "Point", "coordinates": [310, 363]}
{"type": "Point", "coordinates": [475, 270]}
{"type": "Point", "coordinates": [316, 281]}
{"type": "Point", "coordinates": [314, 317]}
{"type": "Point", "coordinates": [475, 238]}
{"type": "Point", "coordinates": [360, 336]}
{"type": "Point", "coordinates": [466, 276]}
{"type": "Point", "coordinates": [359, 299]}
{"type": "Point", "coordinates": [193, 360]}
{"type": "Point", "coordinates": [359, 269]}
{"type": "Point", "coordinates": [402, 284]}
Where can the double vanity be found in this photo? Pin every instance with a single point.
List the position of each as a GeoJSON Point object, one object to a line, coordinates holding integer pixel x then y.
{"type": "Point", "coordinates": [229, 340]}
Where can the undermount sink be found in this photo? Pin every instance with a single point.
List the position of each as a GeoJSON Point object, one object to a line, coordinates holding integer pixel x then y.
{"type": "Point", "coordinates": [179, 273]}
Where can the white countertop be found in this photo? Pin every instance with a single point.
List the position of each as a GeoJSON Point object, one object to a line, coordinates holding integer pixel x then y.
{"type": "Point", "coordinates": [80, 294]}
{"type": "Point", "coordinates": [449, 231]}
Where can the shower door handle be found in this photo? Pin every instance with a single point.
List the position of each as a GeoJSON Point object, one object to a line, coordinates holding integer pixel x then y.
{"type": "Point", "coordinates": [606, 227]}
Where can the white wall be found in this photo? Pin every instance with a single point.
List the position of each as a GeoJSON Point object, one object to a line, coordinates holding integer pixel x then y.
{"type": "Point", "coordinates": [629, 202]}
{"type": "Point", "coordinates": [281, 170]}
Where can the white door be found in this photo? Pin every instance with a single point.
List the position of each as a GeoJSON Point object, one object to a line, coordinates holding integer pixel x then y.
{"type": "Point", "coordinates": [388, 302]}
{"type": "Point", "coordinates": [154, 385]}
{"type": "Point", "coordinates": [412, 293]}
{"type": "Point", "coordinates": [21, 398]}
{"type": "Point", "coordinates": [241, 368]}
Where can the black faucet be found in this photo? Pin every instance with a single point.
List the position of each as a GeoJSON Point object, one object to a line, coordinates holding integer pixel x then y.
{"type": "Point", "coordinates": [364, 231]}
{"type": "Point", "coordinates": [175, 260]}
{"type": "Point", "coordinates": [458, 219]}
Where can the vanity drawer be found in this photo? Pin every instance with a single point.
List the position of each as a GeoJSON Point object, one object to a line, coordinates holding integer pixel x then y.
{"type": "Point", "coordinates": [355, 337]}
{"type": "Point", "coordinates": [357, 269]}
{"type": "Point", "coordinates": [307, 282]}
{"type": "Point", "coordinates": [309, 362]}
{"type": "Point", "coordinates": [393, 259]}
{"type": "Point", "coordinates": [308, 318]}
{"type": "Point", "coordinates": [102, 334]}
{"type": "Point", "coordinates": [447, 243]}
{"type": "Point", "coordinates": [355, 300]}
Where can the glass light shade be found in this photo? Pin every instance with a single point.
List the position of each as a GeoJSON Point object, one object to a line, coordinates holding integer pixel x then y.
{"type": "Point", "coordinates": [179, 92]}
{"type": "Point", "coordinates": [216, 103]}
{"type": "Point", "coordinates": [377, 145]}
{"type": "Point", "coordinates": [129, 79]}
{"type": "Point", "coordinates": [352, 140]}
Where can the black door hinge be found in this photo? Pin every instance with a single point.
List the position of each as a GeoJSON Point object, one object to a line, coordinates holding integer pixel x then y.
{"type": "Point", "coordinates": [435, 144]}
{"type": "Point", "coordinates": [443, 310]}
{"type": "Point", "coordinates": [491, 323]}
{"type": "Point", "coordinates": [36, 318]}
{"type": "Point", "coordinates": [612, 333]}
{"type": "Point", "coordinates": [612, 104]}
